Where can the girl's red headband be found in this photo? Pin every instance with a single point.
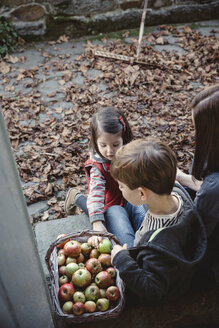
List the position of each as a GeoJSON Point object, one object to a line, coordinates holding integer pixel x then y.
{"type": "Point", "coordinates": [122, 122]}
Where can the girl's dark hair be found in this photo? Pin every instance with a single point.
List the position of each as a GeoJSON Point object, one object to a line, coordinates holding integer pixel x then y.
{"type": "Point", "coordinates": [109, 120]}
{"type": "Point", "coordinates": [206, 118]}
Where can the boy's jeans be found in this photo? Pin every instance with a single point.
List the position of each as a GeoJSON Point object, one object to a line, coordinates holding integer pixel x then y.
{"type": "Point", "coordinates": [120, 221]}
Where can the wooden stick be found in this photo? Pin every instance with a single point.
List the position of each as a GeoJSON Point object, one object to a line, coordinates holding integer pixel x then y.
{"type": "Point", "coordinates": [141, 31]}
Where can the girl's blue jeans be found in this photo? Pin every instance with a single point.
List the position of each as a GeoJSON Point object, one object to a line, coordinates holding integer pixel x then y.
{"type": "Point", "coordinates": [122, 222]}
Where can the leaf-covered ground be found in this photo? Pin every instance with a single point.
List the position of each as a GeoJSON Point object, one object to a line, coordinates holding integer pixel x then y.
{"type": "Point", "coordinates": [155, 97]}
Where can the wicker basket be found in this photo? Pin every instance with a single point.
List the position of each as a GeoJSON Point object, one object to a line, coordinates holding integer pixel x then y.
{"type": "Point", "coordinates": [51, 261]}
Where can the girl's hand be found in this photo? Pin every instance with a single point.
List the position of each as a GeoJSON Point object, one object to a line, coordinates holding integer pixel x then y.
{"type": "Point", "coordinates": [116, 249]}
{"type": "Point", "coordinates": [99, 226]}
{"type": "Point", "coordinates": [94, 241]}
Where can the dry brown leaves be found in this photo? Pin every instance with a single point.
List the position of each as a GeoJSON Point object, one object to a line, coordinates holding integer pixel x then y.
{"type": "Point", "coordinates": [155, 98]}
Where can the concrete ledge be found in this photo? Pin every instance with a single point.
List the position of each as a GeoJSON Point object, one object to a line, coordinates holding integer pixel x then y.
{"type": "Point", "coordinates": [197, 310]}
{"type": "Point", "coordinates": [47, 232]}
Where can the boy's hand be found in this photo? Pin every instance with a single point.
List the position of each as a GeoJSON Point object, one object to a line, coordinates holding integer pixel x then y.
{"type": "Point", "coordinates": [116, 249]}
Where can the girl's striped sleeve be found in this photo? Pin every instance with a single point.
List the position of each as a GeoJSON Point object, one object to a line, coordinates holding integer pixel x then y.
{"type": "Point", "coordinates": [95, 200]}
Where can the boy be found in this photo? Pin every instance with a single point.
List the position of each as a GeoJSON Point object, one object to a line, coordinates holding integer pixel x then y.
{"type": "Point", "coordinates": [171, 240]}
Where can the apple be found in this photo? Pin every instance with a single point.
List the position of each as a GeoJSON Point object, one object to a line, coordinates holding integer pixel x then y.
{"type": "Point", "coordinates": [93, 265]}
{"type": "Point", "coordinates": [72, 248]}
{"type": "Point", "coordinates": [61, 259]}
{"type": "Point", "coordinates": [112, 293]}
{"type": "Point", "coordinates": [81, 265]}
{"type": "Point", "coordinates": [81, 278]}
{"type": "Point", "coordinates": [103, 279]}
{"type": "Point", "coordinates": [111, 271]}
{"type": "Point", "coordinates": [105, 259]}
{"type": "Point", "coordinates": [102, 304]}
{"type": "Point", "coordinates": [71, 268]}
{"type": "Point", "coordinates": [67, 307]}
{"type": "Point", "coordinates": [78, 308]}
{"type": "Point", "coordinates": [102, 293]}
{"type": "Point", "coordinates": [105, 246]}
{"type": "Point", "coordinates": [80, 258]}
{"type": "Point", "coordinates": [70, 260]}
{"type": "Point", "coordinates": [94, 253]}
{"type": "Point", "coordinates": [92, 293]}
{"type": "Point", "coordinates": [62, 270]}
{"type": "Point", "coordinates": [79, 297]}
{"type": "Point", "coordinates": [63, 280]}
{"type": "Point", "coordinates": [90, 306]}
{"type": "Point", "coordinates": [66, 292]}
{"type": "Point", "coordinates": [89, 241]}
{"type": "Point", "coordinates": [61, 251]}
{"type": "Point", "coordinates": [86, 249]}
{"type": "Point", "coordinates": [61, 245]}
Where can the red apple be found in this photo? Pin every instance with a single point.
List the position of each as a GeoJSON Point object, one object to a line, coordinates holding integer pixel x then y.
{"type": "Point", "coordinates": [61, 245]}
{"type": "Point", "coordinates": [112, 293]}
{"type": "Point", "coordinates": [67, 307]}
{"type": "Point", "coordinates": [61, 259]}
{"type": "Point", "coordinates": [111, 271]}
{"type": "Point", "coordinates": [89, 241]}
{"type": "Point", "coordinates": [78, 308]}
{"type": "Point", "coordinates": [90, 306]}
{"type": "Point", "coordinates": [80, 258]}
{"type": "Point", "coordinates": [61, 251]}
{"type": "Point", "coordinates": [103, 279]}
{"type": "Point", "coordinates": [70, 269]}
{"type": "Point", "coordinates": [72, 248]}
{"type": "Point", "coordinates": [70, 260]}
{"type": "Point", "coordinates": [79, 297]}
{"type": "Point", "coordinates": [94, 253]}
{"type": "Point", "coordinates": [102, 304]}
{"type": "Point", "coordinates": [66, 292]}
{"type": "Point", "coordinates": [81, 278]}
{"type": "Point", "coordinates": [86, 249]}
{"type": "Point", "coordinates": [62, 270]}
{"type": "Point", "coordinates": [105, 259]}
{"type": "Point", "coordinates": [92, 293]}
{"type": "Point", "coordinates": [93, 265]}
{"type": "Point", "coordinates": [63, 280]}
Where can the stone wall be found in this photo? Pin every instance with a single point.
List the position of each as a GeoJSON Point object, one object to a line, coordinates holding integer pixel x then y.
{"type": "Point", "coordinates": [51, 18]}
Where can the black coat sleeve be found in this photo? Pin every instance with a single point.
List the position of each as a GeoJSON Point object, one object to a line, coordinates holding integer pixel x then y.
{"type": "Point", "coordinates": [147, 276]}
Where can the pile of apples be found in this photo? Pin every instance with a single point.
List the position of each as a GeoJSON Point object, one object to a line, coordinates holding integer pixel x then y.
{"type": "Point", "coordinates": [87, 279]}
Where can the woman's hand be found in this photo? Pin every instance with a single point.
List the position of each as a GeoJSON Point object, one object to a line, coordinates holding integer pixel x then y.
{"type": "Point", "coordinates": [187, 180]}
{"type": "Point", "coordinates": [116, 249]}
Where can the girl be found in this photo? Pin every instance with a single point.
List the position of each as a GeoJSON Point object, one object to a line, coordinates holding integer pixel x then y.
{"type": "Point", "coordinates": [105, 205]}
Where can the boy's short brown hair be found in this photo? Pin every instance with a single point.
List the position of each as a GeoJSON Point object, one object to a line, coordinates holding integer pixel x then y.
{"type": "Point", "coordinates": [146, 163]}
